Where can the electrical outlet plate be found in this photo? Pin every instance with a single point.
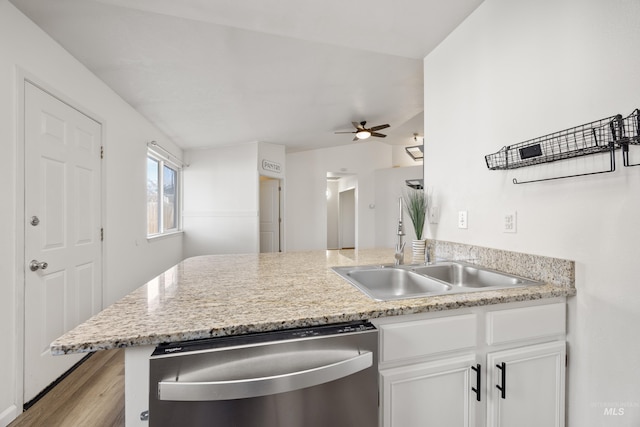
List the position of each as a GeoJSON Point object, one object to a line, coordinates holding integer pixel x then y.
{"type": "Point", "coordinates": [434, 214]}
{"type": "Point", "coordinates": [462, 219]}
{"type": "Point", "coordinates": [510, 222]}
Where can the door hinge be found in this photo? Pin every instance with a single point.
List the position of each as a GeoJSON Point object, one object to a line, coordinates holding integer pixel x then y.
{"type": "Point", "coordinates": [566, 360]}
{"type": "Point", "coordinates": [102, 151]}
{"type": "Point", "coordinates": [102, 234]}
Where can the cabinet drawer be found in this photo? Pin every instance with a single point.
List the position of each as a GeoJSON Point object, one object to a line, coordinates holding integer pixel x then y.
{"type": "Point", "coordinates": [519, 324]}
{"type": "Point", "coordinates": [425, 337]}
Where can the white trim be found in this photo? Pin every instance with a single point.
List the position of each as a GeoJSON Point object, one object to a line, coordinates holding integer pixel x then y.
{"type": "Point", "coordinates": [8, 415]}
{"type": "Point", "coordinates": [157, 151]}
{"type": "Point", "coordinates": [154, 237]}
{"type": "Point", "coordinates": [22, 77]}
{"type": "Point", "coordinates": [221, 214]}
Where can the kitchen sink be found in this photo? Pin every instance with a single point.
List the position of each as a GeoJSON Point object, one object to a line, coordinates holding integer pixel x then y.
{"type": "Point", "coordinates": [385, 283]}
{"type": "Point", "coordinates": [388, 283]}
{"type": "Point", "coordinates": [471, 276]}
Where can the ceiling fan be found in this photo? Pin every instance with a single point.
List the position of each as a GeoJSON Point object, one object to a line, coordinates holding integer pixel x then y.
{"type": "Point", "coordinates": [363, 133]}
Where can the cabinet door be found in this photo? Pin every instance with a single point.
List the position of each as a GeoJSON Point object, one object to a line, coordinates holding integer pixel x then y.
{"type": "Point", "coordinates": [532, 380]}
{"type": "Point", "coordinates": [430, 394]}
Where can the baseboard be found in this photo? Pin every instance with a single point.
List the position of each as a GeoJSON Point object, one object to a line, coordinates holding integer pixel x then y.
{"type": "Point", "coordinates": [8, 415]}
{"type": "Point", "coordinates": [50, 387]}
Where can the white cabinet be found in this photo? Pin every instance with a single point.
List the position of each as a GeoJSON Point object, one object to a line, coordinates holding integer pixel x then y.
{"type": "Point", "coordinates": [441, 369]}
{"type": "Point", "coordinates": [429, 394]}
{"type": "Point", "coordinates": [531, 381]}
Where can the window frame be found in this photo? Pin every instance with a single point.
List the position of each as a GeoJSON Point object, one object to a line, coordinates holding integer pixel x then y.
{"type": "Point", "coordinates": [163, 161]}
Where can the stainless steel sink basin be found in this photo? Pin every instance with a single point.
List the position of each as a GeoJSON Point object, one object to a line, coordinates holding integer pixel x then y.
{"type": "Point", "coordinates": [471, 276]}
{"type": "Point", "coordinates": [384, 283]}
{"type": "Point", "coordinates": [389, 283]}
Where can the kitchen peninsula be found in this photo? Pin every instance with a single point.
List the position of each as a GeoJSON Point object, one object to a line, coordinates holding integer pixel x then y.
{"type": "Point", "coordinates": [222, 295]}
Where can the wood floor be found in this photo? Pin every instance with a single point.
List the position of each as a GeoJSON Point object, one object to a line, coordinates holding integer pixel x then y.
{"type": "Point", "coordinates": [92, 395]}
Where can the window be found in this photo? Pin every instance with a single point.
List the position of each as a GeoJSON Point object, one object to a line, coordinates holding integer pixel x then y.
{"type": "Point", "coordinates": [163, 195]}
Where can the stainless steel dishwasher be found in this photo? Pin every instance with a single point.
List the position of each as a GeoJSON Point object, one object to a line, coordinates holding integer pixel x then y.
{"type": "Point", "coordinates": [311, 377]}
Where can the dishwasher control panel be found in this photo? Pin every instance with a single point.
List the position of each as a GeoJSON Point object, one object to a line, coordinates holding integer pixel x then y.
{"type": "Point", "coordinates": [263, 337]}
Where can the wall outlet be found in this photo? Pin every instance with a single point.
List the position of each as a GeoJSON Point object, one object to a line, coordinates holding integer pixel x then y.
{"type": "Point", "coordinates": [434, 214]}
{"type": "Point", "coordinates": [510, 222]}
{"type": "Point", "coordinates": [462, 219]}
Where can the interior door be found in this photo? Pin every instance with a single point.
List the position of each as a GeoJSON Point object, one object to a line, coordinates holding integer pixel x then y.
{"type": "Point", "coordinates": [269, 215]}
{"type": "Point", "coordinates": [63, 249]}
{"type": "Point", "coordinates": [348, 219]}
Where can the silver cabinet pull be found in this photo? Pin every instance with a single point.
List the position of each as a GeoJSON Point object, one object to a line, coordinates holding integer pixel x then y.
{"type": "Point", "coordinates": [35, 220]}
{"type": "Point", "coordinates": [35, 265]}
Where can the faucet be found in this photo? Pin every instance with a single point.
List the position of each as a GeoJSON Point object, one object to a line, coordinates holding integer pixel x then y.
{"type": "Point", "coordinates": [427, 255]}
{"type": "Point", "coordinates": [399, 256]}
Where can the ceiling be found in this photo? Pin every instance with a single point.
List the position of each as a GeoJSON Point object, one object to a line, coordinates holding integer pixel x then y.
{"type": "Point", "coordinates": [291, 72]}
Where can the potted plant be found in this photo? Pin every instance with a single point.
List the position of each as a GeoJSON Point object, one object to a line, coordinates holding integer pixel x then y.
{"type": "Point", "coordinates": [417, 204]}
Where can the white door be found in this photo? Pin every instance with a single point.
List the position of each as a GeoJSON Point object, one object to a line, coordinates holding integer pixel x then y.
{"type": "Point", "coordinates": [533, 382]}
{"type": "Point", "coordinates": [348, 219]}
{"type": "Point", "coordinates": [63, 230]}
{"type": "Point", "coordinates": [430, 394]}
{"type": "Point", "coordinates": [269, 215]}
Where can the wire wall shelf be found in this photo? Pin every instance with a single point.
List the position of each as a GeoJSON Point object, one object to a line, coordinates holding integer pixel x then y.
{"type": "Point", "coordinates": [602, 136]}
{"type": "Point", "coordinates": [630, 135]}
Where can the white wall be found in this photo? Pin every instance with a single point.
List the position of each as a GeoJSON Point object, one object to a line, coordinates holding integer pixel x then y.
{"type": "Point", "coordinates": [305, 205]}
{"type": "Point", "coordinates": [515, 70]}
{"type": "Point", "coordinates": [221, 195]}
{"type": "Point", "coordinates": [129, 259]}
{"type": "Point", "coordinates": [271, 160]}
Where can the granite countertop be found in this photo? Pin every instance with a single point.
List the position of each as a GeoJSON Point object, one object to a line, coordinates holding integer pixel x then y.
{"type": "Point", "coordinates": [219, 295]}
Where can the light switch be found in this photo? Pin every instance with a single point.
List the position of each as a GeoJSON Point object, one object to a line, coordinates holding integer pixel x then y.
{"type": "Point", "coordinates": [434, 214]}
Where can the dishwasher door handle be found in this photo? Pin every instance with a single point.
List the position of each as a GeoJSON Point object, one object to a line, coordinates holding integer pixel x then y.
{"type": "Point", "coordinates": [263, 386]}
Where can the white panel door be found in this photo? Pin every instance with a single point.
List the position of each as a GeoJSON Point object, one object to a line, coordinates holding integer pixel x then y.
{"type": "Point", "coordinates": [62, 190]}
{"type": "Point", "coordinates": [348, 219]}
{"type": "Point", "coordinates": [532, 386]}
{"type": "Point", "coordinates": [430, 394]}
{"type": "Point", "coordinates": [269, 215]}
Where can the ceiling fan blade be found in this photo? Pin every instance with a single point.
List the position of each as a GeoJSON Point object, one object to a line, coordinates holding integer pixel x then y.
{"type": "Point", "coordinates": [379, 135]}
{"type": "Point", "coordinates": [380, 127]}
{"type": "Point", "coordinates": [357, 125]}
{"type": "Point", "coordinates": [344, 132]}
{"type": "Point", "coordinates": [355, 138]}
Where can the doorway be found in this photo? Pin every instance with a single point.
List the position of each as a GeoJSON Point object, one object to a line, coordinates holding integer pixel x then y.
{"type": "Point", "coordinates": [341, 210]}
{"type": "Point", "coordinates": [270, 218]}
{"type": "Point", "coordinates": [348, 219]}
{"type": "Point", "coordinates": [62, 230]}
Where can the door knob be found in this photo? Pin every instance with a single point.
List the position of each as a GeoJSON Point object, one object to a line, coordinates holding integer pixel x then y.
{"type": "Point", "coordinates": [35, 265]}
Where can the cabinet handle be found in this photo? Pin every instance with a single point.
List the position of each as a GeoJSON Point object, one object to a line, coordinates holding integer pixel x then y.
{"type": "Point", "coordinates": [477, 388]}
{"type": "Point", "coordinates": [503, 387]}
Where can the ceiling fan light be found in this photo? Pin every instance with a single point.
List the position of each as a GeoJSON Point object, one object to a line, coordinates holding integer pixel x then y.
{"type": "Point", "coordinates": [363, 134]}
